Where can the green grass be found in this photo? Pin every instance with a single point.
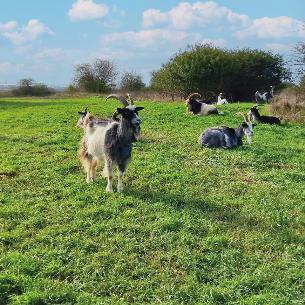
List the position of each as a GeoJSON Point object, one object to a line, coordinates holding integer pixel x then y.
{"type": "Point", "coordinates": [194, 226]}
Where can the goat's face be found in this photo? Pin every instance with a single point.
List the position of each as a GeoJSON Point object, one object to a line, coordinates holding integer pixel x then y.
{"type": "Point", "coordinates": [248, 130]}
{"type": "Point", "coordinates": [253, 112]}
{"type": "Point", "coordinates": [83, 115]}
{"type": "Point", "coordinates": [130, 113]}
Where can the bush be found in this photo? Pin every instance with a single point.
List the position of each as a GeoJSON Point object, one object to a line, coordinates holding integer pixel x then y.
{"type": "Point", "coordinates": [203, 68]}
{"type": "Point", "coordinates": [290, 103]}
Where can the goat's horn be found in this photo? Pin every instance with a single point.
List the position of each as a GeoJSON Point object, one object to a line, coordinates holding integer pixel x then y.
{"type": "Point", "coordinates": [193, 94]}
{"type": "Point", "coordinates": [243, 115]}
{"type": "Point", "coordinates": [129, 99]}
{"type": "Point", "coordinates": [121, 98]}
{"type": "Point", "coordinates": [114, 116]}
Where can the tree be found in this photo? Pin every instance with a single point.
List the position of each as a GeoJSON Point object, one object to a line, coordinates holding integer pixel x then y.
{"type": "Point", "coordinates": [27, 87]}
{"type": "Point", "coordinates": [97, 77]}
{"type": "Point", "coordinates": [299, 58]}
{"type": "Point", "coordinates": [131, 81]}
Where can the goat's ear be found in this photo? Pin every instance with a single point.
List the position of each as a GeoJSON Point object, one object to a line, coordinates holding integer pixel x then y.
{"type": "Point", "coordinates": [139, 108]}
{"type": "Point", "coordinates": [120, 110]}
{"type": "Point", "coordinates": [80, 112]}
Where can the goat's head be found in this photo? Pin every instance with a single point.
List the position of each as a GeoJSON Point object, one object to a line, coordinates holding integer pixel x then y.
{"type": "Point", "coordinates": [192, 97]}
{"type": "Point", "coordinates": [84, 116]}
{"type": "Point", "coordinates": [128, 113]}
{"type": "Point", "coordinates": [247, 127]}
{"type": "Point", "coordinates": [253, 112]}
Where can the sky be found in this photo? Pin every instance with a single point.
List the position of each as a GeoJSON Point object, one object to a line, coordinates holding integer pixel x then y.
{"type": "Point", "coordinates": [45, 39]}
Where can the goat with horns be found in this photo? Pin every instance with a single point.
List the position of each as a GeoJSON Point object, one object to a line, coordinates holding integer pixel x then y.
{"type": "Point", "coordinates": [109, 140]}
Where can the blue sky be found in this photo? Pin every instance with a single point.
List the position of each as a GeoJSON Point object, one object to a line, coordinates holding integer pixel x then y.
{"type": "Point", "coordinates": [45, 39]}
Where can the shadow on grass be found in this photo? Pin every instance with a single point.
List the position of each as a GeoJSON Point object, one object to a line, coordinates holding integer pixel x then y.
{"type": "Point", "coordinates": [212, 210]}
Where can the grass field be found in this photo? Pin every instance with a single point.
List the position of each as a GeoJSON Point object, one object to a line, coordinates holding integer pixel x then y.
{"type": "Point", "coordinates": [194, 226]}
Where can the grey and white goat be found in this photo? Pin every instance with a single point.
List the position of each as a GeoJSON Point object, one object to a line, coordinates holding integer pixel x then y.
{"type": "Point", "coordinates": [196, 106]}
{"type": "Point", "coordinates": [227, 137]}
{"type": "Point", "coordinates": [110, 140]}
{"type": "Point", "coordinates": [264, 96]}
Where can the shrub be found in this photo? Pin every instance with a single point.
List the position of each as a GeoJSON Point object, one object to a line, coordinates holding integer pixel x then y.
{"type": "Point", "coordinates": [290, 103]}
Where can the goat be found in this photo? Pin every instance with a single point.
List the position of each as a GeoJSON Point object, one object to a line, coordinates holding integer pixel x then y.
{"type": "Point", "coordinates": [264, 96]}
{"type": "Point", "coordinates": [110, 140]}
{"type": "Point", "coordinates": [221, 100]}
{"type": "Point", "coordinates": [254, 114]}
{"type": "Point", "coordinates": [226, 137]}
{"type": "Point", "coordinates": [199, 107]}
{"type": "Point", "coordinates": [86, 117]}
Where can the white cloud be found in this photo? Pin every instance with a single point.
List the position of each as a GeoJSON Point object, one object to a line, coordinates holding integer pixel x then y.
{"type": "Point", "coordinates": [277, 27]}
{"type": "Point", "coordinates": [279, 47]}
{"type": "Point", "coordinates": [30, 32]}
{"type": "Point", "coordinates": [87, 9]}
{"type": "Point", "coordinates": [156, 38]}
{"type": "Point", "coordinates": [149, 38]}
{"type": "Point", "coordinates": [186, 15]}
{"type": "Point", "coordinates": [8, 26]}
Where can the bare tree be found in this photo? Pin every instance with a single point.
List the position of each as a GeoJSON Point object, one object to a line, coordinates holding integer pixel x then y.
{"type": "Point", "coordinates": [97, 77]}
{"type": "Point", "coordinates": [131, 81]}
{"type": "Point", "coordinates": [299, 58]}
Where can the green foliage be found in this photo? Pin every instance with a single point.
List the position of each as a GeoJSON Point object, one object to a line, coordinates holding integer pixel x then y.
{"type": "Point", "coordinates": [193, 226]}
{"type": "Point", "coordinates": [204, 68]}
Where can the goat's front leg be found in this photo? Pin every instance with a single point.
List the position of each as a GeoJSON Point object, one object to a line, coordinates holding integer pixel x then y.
{"type": "Point", "coordinates": [88, 169]}
{"type": "Point", "coordinates": [122, 169]}
{"type": "Point", "coordinates": [109, 175]}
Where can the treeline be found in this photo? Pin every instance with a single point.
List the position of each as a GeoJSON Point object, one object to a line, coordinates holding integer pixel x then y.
{"type": "Point", "coordinates": [201, 68]}
{"type": "Point", "coordinates": [27, 87]}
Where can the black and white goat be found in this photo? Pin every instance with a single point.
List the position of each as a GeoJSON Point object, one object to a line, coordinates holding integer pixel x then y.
{"type": "Point", "coordinates": [255, 116]}
{"type": "Point", "coordinates": [226, 137]}
{"type": "Point", "coordinates": [197, 106]}
{"type": "Point", "coordinates": [110, 140]}
{"type": "Point", "coordinates": [264, 96]}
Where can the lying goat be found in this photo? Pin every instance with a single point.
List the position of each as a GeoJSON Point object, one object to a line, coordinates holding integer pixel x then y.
{"type": "Point", "coordinates": [264, 96]}
{"type": "Point", "coordinates": [254, 114]}
{"type": "Point", "coordinates": [226, 137]}
{"type": "Point", "coordinates": [221, 100]}
{"type": "Point", "coordinates": [199, 107]}
{"type": "Point", "coordinates": [110, 140]}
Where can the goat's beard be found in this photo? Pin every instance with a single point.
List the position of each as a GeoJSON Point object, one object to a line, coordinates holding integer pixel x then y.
{"type": "Point", "coordinates": [136, 132]}
{"type": "Point", "coordinates": [249, 138]}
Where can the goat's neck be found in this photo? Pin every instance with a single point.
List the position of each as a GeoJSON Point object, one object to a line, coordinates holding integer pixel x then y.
{"type": "Point", "coordinates": [125, 131]}
{"type": "Point", "coordinates": [239, 132]}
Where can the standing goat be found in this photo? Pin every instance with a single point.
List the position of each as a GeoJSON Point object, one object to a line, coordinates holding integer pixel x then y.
{"type": "Point", "coordinates": [110, 140]}
{"type": "Point", "coordinates": [226, 137]}
{"type": "Point", "coordinates": [254, 114]}
{"type": "Point", "coordinates": [264, 96]}
{"type": "Point", "coordinates": [199, 107]}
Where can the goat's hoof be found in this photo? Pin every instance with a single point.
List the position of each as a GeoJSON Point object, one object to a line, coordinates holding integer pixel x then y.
{"type": "Point", "coordinates": [109, 190]}
{"type": "Point", "coordinates": [120, 190]}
